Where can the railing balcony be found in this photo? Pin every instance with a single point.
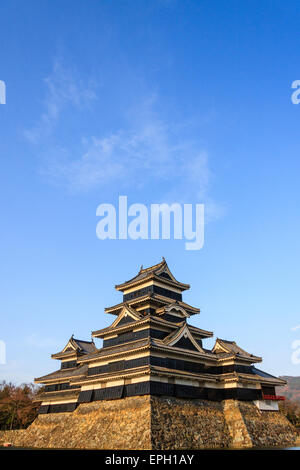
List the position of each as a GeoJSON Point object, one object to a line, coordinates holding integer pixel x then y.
{"type": "Point", "coordinates": [273, 397]}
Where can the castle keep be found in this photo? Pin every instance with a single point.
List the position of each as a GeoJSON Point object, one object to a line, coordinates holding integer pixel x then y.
{"type": "Point", "coordinates": [152, 349]}
{"type": "Point", "coordinates": [153, 384]}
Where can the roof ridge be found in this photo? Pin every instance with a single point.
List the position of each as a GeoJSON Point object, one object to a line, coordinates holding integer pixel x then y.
{"type": "Point", "coordinates": [82, 340]}
{"type": "Point", "coordinates": [226, 341]}
{"type": "Point", "coordinates": [153, 267]}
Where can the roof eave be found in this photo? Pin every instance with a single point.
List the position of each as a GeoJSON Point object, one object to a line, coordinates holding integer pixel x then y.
{"type": "Point", "coordinates": [63, 355]}
{"type": "Point", "coordinates": [151, 276]}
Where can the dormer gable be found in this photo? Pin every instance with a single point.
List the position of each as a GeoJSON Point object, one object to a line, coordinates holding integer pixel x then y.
{"type": "Point", "coordinates": [70, 346]}
{"type": "Point", "coordinates": [183, 338]}
{"type": "Point", "coordinates": [74, 348]}
{"type": "Point", "coordinates": [176, 310]}
{"type": "Point", "coordinates": [223, 346]}
{"type": "Point", "coordinates": [127, 315]}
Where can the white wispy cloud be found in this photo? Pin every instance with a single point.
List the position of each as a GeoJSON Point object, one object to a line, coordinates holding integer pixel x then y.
{"type": "Point", "coordinates": [294, 328]}
{"type": "Point", "coordinates": [63, 89]}
{"type": "Point", "coordinates": [148, 150]}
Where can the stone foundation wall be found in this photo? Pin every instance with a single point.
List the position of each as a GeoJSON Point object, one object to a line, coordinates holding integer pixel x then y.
{"type": "Point", "coordinates": [148, 422]}
{"type": "Point", "coordinates": [239, 435]}
{"type": "Point", "coordinates": [267, 428]}
{"type": "Point", "coordinates": [114, 424]}
{"type": "Point", "coordinates": [187, 424]}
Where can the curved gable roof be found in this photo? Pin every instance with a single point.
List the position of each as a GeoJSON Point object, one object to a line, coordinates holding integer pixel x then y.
{"type": "Point", "coordinates": [230, 347]}
{"type": "Point", "coordinates": [159, 271]}
{"type": "Point", "coordinates": [175, 338]}
{"type": "Point", "coordinates": [75, 346]}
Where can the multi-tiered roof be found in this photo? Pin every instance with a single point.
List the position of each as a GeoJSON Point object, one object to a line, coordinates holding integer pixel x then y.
{"type": "Point", "coordinates": [151, 348]}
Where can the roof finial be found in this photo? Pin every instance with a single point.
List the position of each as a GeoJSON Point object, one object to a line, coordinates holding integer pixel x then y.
{"type": "Point", "coordinates": [141, 267]}
{"type": "Point", "coordinates": [163, 258]}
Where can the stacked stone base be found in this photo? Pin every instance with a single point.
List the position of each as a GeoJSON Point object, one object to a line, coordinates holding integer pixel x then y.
{"type": "Point", "coordinates": [161, 423]}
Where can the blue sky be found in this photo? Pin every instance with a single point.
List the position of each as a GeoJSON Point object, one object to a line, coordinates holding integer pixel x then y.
{"type": "Point", "coordinates": [162, 101]}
